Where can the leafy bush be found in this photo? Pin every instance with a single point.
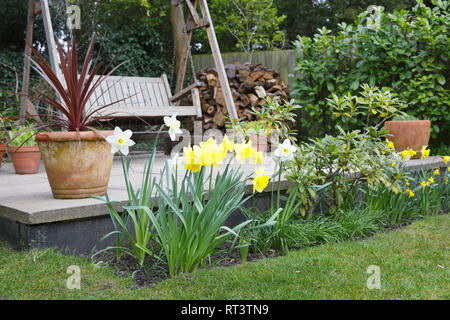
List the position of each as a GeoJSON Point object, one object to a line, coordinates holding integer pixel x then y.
{"type": "Point", "coordinates": [353, 157]}
{"type": "Point", "coordinates": [407, 51]}
{"type": "Point", "coordinates": [275, 117]}
{"type": "Point", "coordinates": [22, 136]}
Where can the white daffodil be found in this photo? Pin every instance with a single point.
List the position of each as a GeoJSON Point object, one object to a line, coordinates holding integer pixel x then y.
{"type": "Point", "coordinates": [120, 141]}
{"type": "Point", "coordinates": [285, 151]}
{"type": "Point", "coordinates": [174, 126]}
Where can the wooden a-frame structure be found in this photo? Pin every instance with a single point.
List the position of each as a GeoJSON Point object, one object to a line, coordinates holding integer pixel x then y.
{"type": "Point", "coordinates": [183, 31]}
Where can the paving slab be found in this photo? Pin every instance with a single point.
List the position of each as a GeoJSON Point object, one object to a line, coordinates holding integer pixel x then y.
{"type": "Point", "coordinates": [27, 199]}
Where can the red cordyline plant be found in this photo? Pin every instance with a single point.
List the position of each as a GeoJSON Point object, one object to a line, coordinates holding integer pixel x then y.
{"type": "Point", "coordinates": [72, 101]}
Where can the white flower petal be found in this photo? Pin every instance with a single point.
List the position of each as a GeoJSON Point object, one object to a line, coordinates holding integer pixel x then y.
{"type": "Point", "coordinates": [114, 148]}
{"type": "Point", "coordinates": [110, 139]}
{"type": "Point", "coordinates": [127, 134]}
{"type": "Point", "coordinates": [117, 131]}
{"type": "Point", "coordinates": [129, 142]}
{"type": "Point", "coordinates": [167, 121]}
{"type": "Point", "coordinates": [172, 135]}
{"type": "Point", "coordinates": [124, 150]}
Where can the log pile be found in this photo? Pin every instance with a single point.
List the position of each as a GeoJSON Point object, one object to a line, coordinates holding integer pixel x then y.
{"type": "Point", "coordinates": [249, 83]}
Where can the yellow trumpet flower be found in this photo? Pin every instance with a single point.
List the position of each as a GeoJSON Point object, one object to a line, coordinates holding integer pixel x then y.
{"type": "Point", "coordinates": [425, 152]}
{"type": "Point", "coordinates": [261, 180]}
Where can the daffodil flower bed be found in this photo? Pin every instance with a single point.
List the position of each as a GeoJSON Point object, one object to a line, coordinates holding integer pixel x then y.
{"type": "Point", "coordinates": [182, 223]}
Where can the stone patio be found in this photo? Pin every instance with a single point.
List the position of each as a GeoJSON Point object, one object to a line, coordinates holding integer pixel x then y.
{"type": "Point", "coordinates": [28, 212]}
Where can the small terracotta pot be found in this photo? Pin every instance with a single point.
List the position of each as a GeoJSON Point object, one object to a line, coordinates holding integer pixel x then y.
{"type": "Point", "coordinates": [2, 152]}
{"type": "Point", "coordinates": [259, 141]}
{"type": "Point", "coordinates": [26, 159]}
{"type": "Point", "coordinates": [77, 165]}
{"type": "Point", "coordinates": [413, 134]}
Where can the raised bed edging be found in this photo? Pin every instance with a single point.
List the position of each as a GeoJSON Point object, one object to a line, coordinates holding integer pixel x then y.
{"type": "Point", "coordinates": [81, 233]}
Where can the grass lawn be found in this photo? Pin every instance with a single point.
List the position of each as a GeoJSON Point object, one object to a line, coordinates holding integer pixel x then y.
{"type": "Point", "coordinates": [414, 264]}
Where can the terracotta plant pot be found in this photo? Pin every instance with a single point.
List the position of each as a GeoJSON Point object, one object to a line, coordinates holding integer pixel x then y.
{"type": "Point", "coordinates": [413, 134]}
{"type": "Point", "coordinates": [26, 159]}
{"type": "Point", "coordinates": [259, 141]}
{"type": "Point", "coordinates": [2, 152]}
{"type": "Point", "coordinates": [77, 166]}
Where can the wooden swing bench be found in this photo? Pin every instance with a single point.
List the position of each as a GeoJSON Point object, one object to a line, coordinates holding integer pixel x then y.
{"type": "Point", "coordinates": [144, 98]}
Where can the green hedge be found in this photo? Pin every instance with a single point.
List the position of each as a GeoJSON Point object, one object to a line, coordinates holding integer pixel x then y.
{"type": "Point", "coordinates": [406, 51]}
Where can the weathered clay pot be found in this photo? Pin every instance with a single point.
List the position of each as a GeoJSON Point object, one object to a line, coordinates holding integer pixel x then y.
{"type": "Point", "coordinates": [25, 159]}
{"type": "Point", "coordinates": [2, 152]}
{"type": "Point", "coordinates": [77, 165]}
{"type": "Point", "coordinates": [413, 134]}
{"type": "Point", "coordinates": [259, 141]}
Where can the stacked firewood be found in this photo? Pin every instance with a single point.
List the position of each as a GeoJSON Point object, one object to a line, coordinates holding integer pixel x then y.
{"type": "Point", "coordinates": [249, 83]}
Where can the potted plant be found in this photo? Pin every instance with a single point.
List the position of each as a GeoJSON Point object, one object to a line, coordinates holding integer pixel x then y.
{"type": "Point", "coordinates": [2, 140]}
{"type": "Point", "coordinates": [77, 161]}
{"type": "Point", "coordinates": [23, 150]}
{"type": "Point", "coordinates": [406, 132]}
{"type": "Point", "coordinates": [271, 116]}
{"type": "Point", "coordinates": [5, 123]}
{"type": "Point", "coordinates": [257, 133]}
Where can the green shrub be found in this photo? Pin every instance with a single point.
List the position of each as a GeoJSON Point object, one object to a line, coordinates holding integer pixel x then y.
{"type": "Point", "coordinates": [351, 158]}
{"type": "Point", "coordinates": [22, 136]}
{"type": "Point", "coordinates": [407, 51]}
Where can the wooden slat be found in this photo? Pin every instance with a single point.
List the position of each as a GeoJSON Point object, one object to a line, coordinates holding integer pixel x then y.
{"type": "Point", "coordinates": [145, 98]}
{"type": "Point", "coordinates": [190, 25]}
{"type": "Point", "coordinates": [167, 86]}
{"type": "Point", "coordinates": [218, 61]}
{"type": "Point", "coordinates": [155, 96]}
{"type": "Point", "coordinates": [183, 93]}
{"type": "Point", "coordinates": [145, 95]}
{"type": "Point", "coordinates": [162, 90]}
{"type": "Point", "coordinates": [193, 12]}
{"type": "Point", "coordinates": [163, 111]}
{"type": "Point", "coordinates": [106, 94]}
{"type": "Point", "coordinates": [196, 102]}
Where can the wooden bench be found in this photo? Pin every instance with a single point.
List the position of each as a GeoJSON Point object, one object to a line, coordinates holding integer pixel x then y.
{"type": "Point", "coordinates": [143, 98]}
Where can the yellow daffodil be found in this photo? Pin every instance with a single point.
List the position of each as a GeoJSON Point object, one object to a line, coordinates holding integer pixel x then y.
{"type": "Point", "coordinates": [424, 184]}
{"type": "Point", "coordinates": [228, 145]}
{"type": "Point", "coordinates": [431, 180]}
{"type": "Point", "coordinates": [446, 181]}
{"type": "Point", "coordinates": [446, 159]}
{"type": "Point", "coordinates": [412, 153]}
{"type": "Point", "coordinates": [405, 154]}
{"type": "Point", "coordinates": [244, 151]}
{"type": "Point", "coordinates": [407, 183]}
{"type": "Point", "coordinates": [425, 152]}
{"type": "Point", "coordinates": [410, 192]}
{"type": "Point", "coordinates": [437, 172]}
{"type": "Point", "coordinates": [258, 158]}
{"type": "Point", "coordinates": [191, 159]}
{"type": "Point", "coordinates": [390, 144]}
{"type": "Point", "coordinates": [261, 180]}
{"type": "Point", "coordinates": [394, 164]}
